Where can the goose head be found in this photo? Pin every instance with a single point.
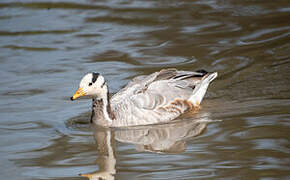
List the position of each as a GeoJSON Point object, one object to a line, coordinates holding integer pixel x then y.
{"type": "Point", "coordinates": [92, 85]}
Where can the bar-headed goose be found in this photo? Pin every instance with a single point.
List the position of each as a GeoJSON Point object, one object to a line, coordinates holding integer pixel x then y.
{"type": "Point", "coordinates": [156, 98]}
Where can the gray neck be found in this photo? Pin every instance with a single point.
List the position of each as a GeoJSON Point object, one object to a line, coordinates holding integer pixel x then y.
{"type": "Point", "coordinates": [102, 114]}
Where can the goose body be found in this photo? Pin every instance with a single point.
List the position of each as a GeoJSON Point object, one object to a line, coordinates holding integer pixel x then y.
{"type": "Point", "coordinates": [157, 98]}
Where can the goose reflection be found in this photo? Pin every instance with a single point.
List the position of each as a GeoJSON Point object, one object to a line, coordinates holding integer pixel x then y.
{"type": "Point", "coordinates": [106, 155]}
{"type": "Point", "coordinates": [165, 138]}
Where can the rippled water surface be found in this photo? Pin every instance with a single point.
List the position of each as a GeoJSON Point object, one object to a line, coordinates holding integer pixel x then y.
{"type": "Point", "coordinates": [241, 132]}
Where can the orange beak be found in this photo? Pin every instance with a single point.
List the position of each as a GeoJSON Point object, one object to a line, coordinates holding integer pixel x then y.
{"type": "Point", "coordinates": [78, 94]}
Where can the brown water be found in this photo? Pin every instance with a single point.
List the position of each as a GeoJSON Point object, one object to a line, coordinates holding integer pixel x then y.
{"type": "Point", "coordinates": [241, 132]}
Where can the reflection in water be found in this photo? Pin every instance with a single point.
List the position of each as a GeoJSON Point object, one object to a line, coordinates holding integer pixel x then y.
{"type": "Point", "coordinates": [167, 138]}
{"type": "Point", "coordinates": [106, 155]}
{"type": "Point", "coordinates": [163, 138]}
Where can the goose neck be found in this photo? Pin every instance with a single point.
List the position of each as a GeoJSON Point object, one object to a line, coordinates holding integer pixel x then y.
{"type": "Point", "coordinates": [102, 113]}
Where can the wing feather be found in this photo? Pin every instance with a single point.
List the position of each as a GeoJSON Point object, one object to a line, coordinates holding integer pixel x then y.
{"type": "Point", "coordinates": [159, 82]}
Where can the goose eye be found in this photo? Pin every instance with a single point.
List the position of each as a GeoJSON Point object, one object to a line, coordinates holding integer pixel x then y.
{"type": "Point", "coordinates": [90, 84]}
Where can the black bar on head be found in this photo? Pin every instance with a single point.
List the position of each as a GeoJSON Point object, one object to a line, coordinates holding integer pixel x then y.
{"type": "Point", "coordinates": [95, 77]}
{"type": "Point", "coordinates": [103, 84]}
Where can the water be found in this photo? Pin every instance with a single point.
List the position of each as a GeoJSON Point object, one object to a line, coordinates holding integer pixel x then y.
{"type": "Point", "coordinates": [241, 132]}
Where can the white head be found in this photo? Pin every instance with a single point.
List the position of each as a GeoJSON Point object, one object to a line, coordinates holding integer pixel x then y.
{"type": "Point", "coordinates": [92, 84]}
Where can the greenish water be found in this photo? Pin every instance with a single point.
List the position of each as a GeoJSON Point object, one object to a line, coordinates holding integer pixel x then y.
{"type": "Point", "coordinates": [241, 132]}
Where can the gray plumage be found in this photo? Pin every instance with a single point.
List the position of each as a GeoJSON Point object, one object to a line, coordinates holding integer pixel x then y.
{"type": "Point", "coordinates": [157, 98]}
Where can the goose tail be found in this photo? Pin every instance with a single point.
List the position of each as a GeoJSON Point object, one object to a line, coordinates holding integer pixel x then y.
{"type": "Point", "coordinates": [200, 89]}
